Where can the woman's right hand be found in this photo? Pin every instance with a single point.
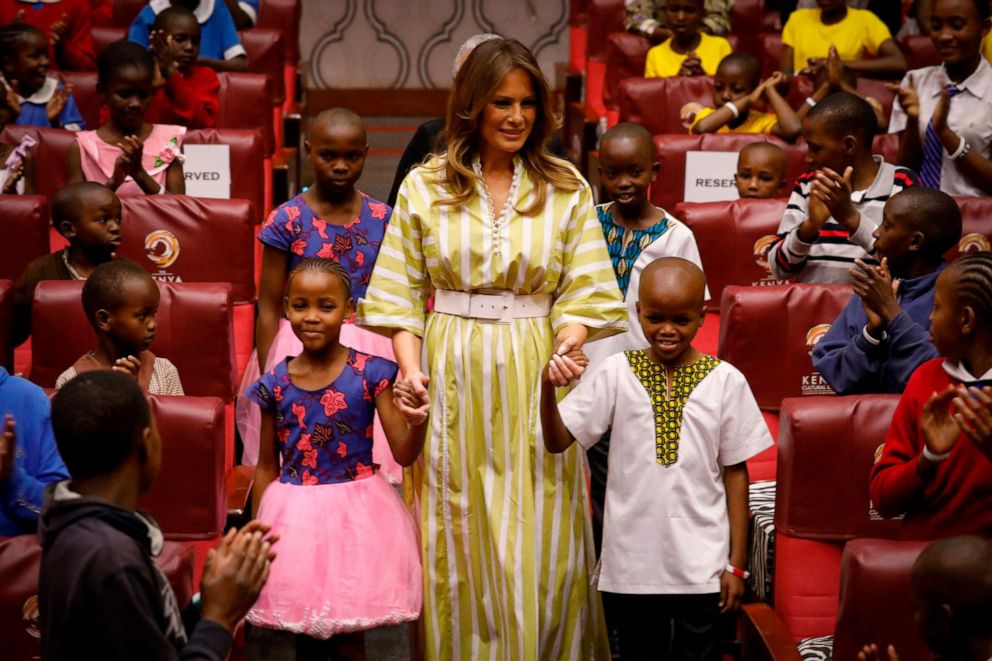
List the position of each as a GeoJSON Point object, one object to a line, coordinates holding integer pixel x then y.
{"type": "Point", "coordinates": [412, 398]}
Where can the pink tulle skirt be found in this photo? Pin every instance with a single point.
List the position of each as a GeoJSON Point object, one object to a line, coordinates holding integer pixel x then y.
{"type": "Point", "coordinates": [348, 559]}
{"type": "Point", "coordinates": [285, 343]}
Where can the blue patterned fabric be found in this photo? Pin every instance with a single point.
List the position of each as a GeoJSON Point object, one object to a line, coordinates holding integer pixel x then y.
{"type": "Point", "coordinates": [933, 152]}
{"type": "Point", "coordinates": [625, 245]}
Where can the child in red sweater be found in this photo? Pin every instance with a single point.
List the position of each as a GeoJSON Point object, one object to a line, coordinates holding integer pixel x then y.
{"type": "Point", "coordinates": [936, 465]}
{"type": "Point", "coordinates": [187, 93]}
{"type": "Point", "coordinates": [68, 25]}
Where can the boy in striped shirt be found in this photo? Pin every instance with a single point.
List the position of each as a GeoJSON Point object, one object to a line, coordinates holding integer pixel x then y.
{"type": "Point", "coordinates": [836, 206]}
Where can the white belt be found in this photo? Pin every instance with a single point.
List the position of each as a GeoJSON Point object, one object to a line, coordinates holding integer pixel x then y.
{"type": "Point", "coordinates": [502, 307]}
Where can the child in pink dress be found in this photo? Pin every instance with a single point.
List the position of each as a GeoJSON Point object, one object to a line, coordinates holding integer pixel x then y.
{"type": "Point", "coordinates": [127, 154]}
{"type": "Point", "coordinates": [349, 559]}
{"type": "Point", "coordinates": [331, 220]}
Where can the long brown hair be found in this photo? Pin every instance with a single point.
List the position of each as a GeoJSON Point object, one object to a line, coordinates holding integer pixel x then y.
{"type": "Point", "coordinates": [474, 87]}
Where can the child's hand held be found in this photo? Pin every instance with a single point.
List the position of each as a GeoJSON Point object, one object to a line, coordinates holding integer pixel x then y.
{"type": "Point", "coordinates": [731, 592]}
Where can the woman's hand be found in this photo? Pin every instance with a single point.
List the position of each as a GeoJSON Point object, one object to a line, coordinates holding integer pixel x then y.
{"type": "Point", "coordinates": [567, 361]}
{"type": "Point", "coordinates": [412, 398]}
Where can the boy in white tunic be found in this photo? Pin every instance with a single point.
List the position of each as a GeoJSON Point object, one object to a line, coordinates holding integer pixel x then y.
{"type": "Point", "coordinates": [683, 425]}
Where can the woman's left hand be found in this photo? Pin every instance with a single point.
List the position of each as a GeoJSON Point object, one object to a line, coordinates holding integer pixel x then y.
{"type": "Point", "coordinates": [562, 368]}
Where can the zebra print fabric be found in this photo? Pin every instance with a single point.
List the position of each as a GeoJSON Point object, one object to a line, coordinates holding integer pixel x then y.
{"type": "Point", "coordinates": [761, 558]}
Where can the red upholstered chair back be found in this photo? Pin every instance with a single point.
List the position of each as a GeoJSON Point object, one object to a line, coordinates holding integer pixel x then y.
{"type": "Point", "coordinates": [284, 16]}
{"type": "Point", "coordinates": [6, 324]}
{"type": "Point", "coordinates": [626, 54]}
{"type": "Point", "coordinates": [49, 155]}
{"type": "Point", "coordinates": [84, 91]}
{"type": "Point", "coordinates": [189, 499]}
{"type": "Point", "coordinates": [24, 224]}
{"type": "Point", "coordinates": [748, 19]}
{"type": "Point", "coordinates": [826, 448]}
{"type": "Point", "coordinates": [768, 333]}
{"type": "Point", "coordinates": [195, 331]}
{"type": "Point", "coordinates": [920, 51]}
{"type": "Point", "coordinates": [605, 18]}
{"type": "Point", "coordinates": [246, 103]}
{"type": "Point", "coordinates": [123, 12]}
{"type": "Point", "coordinates": [20, 565]}
{"type": "Point", "coordinates": [733, 239]}
{"type": "Point", "coordinates": [877, 90]}
{"type": "Point", "coordinates": [670, 151]}
{"type": "Point", "coordinates": [875, 599]}
{"type": "Point", "coordinates": [265, 55]}
{"type": "Point", "coordinates": [887, 146]}
{"type": "Point", "coordinates": [976, 225]}
{"type": "Point", "coordinates": [104, 35]}
{"type": "Point", "coordinates": [655, 102]}
{"type": "Point", "coordinates": [247, 162]}
{"type": "Point", "coordinates": [177, 238]}
{"type": "Point", "coordinates": [770, 52]}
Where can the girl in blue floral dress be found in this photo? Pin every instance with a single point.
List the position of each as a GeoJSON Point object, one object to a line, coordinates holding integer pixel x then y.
{"type": "Point", "coordinates": [349, 558]}
{"type": "Point", "coordinates": [330, 220]}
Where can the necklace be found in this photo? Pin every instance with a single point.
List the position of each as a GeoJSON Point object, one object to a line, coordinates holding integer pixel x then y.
{"type": "Point", "coordinates": [75, 274]}
{"type": "Point", "coordinates": [497, 222]}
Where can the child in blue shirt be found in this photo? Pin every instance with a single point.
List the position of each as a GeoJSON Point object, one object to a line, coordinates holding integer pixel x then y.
{"type": "Point", "coordinates": [220, 48]}
{"type": "Point", "coordinates": [30, 97]}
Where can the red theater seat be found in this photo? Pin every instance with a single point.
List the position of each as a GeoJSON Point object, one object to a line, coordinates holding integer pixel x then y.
{"type": "Point", "coordinates": [625, 57]}
{"type": "Point", "coordinates": [49, 155]}
{"type": "Point", "coordinates": [976, 230]}
{"type": "Point", "coordinates": [748, 19]}
{"type": "Point", "coordinates": [605, 18]}
{"type": "Point", "coordinates": [6, 324]}
{"type": "Point", "coordinates": [670, 150]}
{"type": "Point", "coordinates": [194, 332]}
{"type": "Point", "coordinates": [878, 90]}
{"type": "Point", "coordinates": [246, 103]}
{"type": "Point", "coordinates": [733, 239]}
{"type": "Point", "coordinates": [247, 164]}
{"type": "Point", "coordinates": [265, 49]}
{"type": "Point", "coordinates": [24, 223]}
{"type": "Point", "coordinates": [920, 51]}
{"type": "Point", "coordinates": [104, 35]}
{"type": "Point", "coordinates": [284, 16]}
{"type": "Point", "coordinates": [84, 92]}
{"type": "Point", "coordinates": [123, 12]}
{"type": "Point", "coordinates": [770, 52]}
{"type": "Point", "coordinates": [876, 604]}
{"type": "Point", "coordinates": [655, 102]}
{"type": "Point", "coordinates": [768, 334]}
{"type": "Point", "coordinates": [887, 146]}
{"type": "Point", "coordinates": [20, 564]}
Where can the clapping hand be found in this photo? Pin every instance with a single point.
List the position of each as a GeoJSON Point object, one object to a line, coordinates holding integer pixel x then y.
{"type": "Point", "coordinates": [235, 573]}
{"type": "Point", "coordinates": [163, 49]}
{"type": "Point", "coordinates": [877, 290]}
{"type": "Point", "coordinates": [910, 100]}
{"type": "Point", "coordinates": [871, 653]}
{"type": "Point", "coordinates": [973, 414]}
{"type": "Point", "coordinates": [834, 191]}
{"type": "Point", "coordinates": [939, 428]}
{"type": "Point", "coordinates": [58, 31]}
{"type": "Point", "coordinates": [128, 163]}
{"type": "Point", "coordinates": [56, 104]}
{"type": "Point", "coordinates": [692, 65]}
{"type": "Point", "coordinates": [15, 174]}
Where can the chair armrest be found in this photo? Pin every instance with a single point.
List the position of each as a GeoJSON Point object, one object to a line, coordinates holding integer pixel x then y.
{"type": "Point", "coordinates": [239, 482]}
{"type": "Point", "coordinates": [765, 636]}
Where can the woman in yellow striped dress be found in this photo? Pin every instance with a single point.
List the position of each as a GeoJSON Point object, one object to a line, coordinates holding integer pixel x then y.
{"type": "Point", "coordinates": [508, 237]}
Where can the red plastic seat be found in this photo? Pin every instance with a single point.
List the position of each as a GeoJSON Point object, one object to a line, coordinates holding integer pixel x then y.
{"type": "Point", "coordinates": [25, 224]}
{"type": "Point", "coordinates": [49, 155]}
{"type": "Point", "coordinates": [84, 92]}
{"type": "Point", "coordinates": [876, 603]}
{"type": "Point", "coordinates": [242, 107]}
{"type": "Point", "coordinates": [670, 151]}
{"type": "Point", "coordinates": [194, 332]}
{"type": "Point", "coordinates": [919, 50]}
{"type": "Point", "coordinates": [733, 239]}
{"type": "Point", "coordinates": [976, 229]}
{"type": "Point", "coordinates": [768, 334]}
{"type": "Point", "coordinates": [6, 324]}
{"type": "Point", "coordinates": [247, 164]}
{"type": "Point", "coordinates": [823, 442]}
{"type": "Point", "coordinates": [20, 564]}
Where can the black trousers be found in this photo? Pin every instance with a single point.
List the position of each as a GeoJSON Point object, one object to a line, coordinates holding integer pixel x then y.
{"type": "Point", "coordinates": [679, 627]}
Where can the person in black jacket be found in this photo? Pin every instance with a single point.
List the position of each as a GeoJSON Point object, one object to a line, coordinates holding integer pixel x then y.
{"type": "Point", "coordinates": [100, 594]}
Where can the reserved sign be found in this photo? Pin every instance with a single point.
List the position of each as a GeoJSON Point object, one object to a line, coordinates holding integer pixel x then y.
{"type": "Point", "coordinates": [709, 176]}
{"type": "Point", "coordinates": [208, 170]}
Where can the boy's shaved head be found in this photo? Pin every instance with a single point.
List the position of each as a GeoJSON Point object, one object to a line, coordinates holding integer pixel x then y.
{"type": "Point", "coordinates": [166, 18]}
{"type": "Point", "coordinates": [69, 202]}
{"type": "Point", "coordinates": [629, 131]}
{"type": "Point", "coordinates": [674, 274]}
{"type": "Point", "coordinates": [843, 113]}
{"type": "Point", "coordinates": [934, 213]}
{"type": "Point", "coordinates": [746, 63]}
{"type": "Point", "coordinates": [338, 117]}
{"type": "Point", "coordinates": [769, 153]}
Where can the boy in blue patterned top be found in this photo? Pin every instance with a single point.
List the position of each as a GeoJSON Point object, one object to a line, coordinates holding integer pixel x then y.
{"type": "Point", "coordinates": [350, 559]}
{"type": "Point", "coordinates": [675, 533]}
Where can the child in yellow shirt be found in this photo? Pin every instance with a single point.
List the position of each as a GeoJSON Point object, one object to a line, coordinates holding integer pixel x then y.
{"type": "Point", "coordinates": [688, 52]}
{"type": "Point", "coordinates": [863, 41]}
{"type": "Point", "coordinates": [736, 88]}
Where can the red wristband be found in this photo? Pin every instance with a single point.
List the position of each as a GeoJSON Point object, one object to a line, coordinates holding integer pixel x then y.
{"type": "Point", "coordinates": [739, 573]}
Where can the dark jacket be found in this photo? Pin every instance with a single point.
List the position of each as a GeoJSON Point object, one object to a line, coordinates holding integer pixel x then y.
{"type": "Point", "coordinates": [100, 595]}
{"type": "Point", "coordinates": [853, 366]}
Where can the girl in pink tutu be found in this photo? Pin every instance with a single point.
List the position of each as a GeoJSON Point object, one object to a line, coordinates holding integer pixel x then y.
{"type": "Point", "coordinates": [349, 558]}
{"type": "Point", "coordinates": [332, 220]}
{"type": "Point", "coordinates": [129, 155]}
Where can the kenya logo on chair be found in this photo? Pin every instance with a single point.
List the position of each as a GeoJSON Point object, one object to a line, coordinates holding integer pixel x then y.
{"type": "Point", "coordinates": [162, 249]}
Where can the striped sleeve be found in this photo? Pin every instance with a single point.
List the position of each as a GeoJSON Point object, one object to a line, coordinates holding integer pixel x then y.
{"type": "Point", "coordinates": [788, 255]}
{"type": "Point", "coordinates": [587, 290]}
{"type": "Point", "coordinates": [394, 299]}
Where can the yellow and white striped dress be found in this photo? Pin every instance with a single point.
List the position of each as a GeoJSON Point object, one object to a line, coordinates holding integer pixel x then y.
{"type": "Point", "coordinates": [504, 525]}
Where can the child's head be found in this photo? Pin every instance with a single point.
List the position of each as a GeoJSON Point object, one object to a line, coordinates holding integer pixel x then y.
{"type": "Point", "coordinates": [951, 583]}
{"type": "Point", "coordinates": [121, 301]}
{"type": "Point", "coordinates": [957, 28]}
{"type": "Point", "coordinates": [124, 75]}
{"type": "Point", "coordinates": [738, 75]}
{"type": "Point", "coordinates": [88, 214]}
{"type": "Point", "coordinates": [839, 131]}
{"type": "Point", "coordinates": [684, 18]}
{"type": "Point", "coordinates": [318, 301]}
{"type": "Point", "coordinates": [761, 170]}
{"type": "Point", "coordinates": [962, 305]}
{"type": "Point", "coordinates": [828, 6]}
{"type": "Point", "coordinates": [626, 165]}
{"type": "Point", "coordinates": [105, 430]}
{"type": "Point", "coordinates": [670, 307]}
{"type": "Point", "coordinates": [24, 57]}
{"type": "Point", "coordinates": [919, 225]}
{"type": "Point", "coordinates": [181, 25]}
{"type": "Point", "coordinates": [336, 146]}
